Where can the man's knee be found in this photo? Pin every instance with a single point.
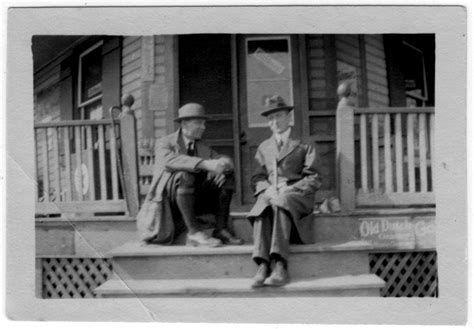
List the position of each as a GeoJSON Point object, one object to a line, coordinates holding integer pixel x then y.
{"type": "Point", "coordinates": [185, 182]}
{"type": "Point", "coordinates": [222, 181]}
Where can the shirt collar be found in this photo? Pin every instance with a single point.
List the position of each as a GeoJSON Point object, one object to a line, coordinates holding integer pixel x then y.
{"type": "Point", "coordinates": [284, 136]}
{"type": "Point", "coordinates": [187, 141]}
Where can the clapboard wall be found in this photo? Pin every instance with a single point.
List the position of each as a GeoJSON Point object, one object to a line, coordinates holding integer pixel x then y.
{"type": "Point", "coordinates": [46, 100]}
{"type": "Point", "coordinates": [363, 52]}
{"type": "Point", "coordinates": [146, 76]}
{"type": "Point", "coordinates": [131, 73]}
{"type": "Point", "coordinates": [376, 66]}
{"type": "Point", "coordinates": [149, 72]}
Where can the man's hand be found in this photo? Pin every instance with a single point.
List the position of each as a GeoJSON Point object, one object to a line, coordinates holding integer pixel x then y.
{"type": "Point", "coordinates": [218, 166]}
{"type": "Point", "coordinates": [228, 164]}
{"type": "Point", "coordinates": [270, 193]}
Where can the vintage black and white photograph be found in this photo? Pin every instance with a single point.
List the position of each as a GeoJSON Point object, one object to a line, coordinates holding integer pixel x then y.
{"type": "Point", "coordinates": [235, 165]}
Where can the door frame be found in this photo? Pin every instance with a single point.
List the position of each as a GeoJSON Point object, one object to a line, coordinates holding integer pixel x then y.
{"type": "Point", "coordinates": [300, 94]}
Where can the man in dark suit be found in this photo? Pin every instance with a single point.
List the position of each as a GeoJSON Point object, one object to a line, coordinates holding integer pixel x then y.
{"type": "Point", "coordinates": [189, 179]}
{"type": "Point", "coordinates": [285, 183]}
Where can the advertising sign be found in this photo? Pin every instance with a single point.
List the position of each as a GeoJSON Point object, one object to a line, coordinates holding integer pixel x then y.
{"type": "Point", "coordinates": [399, 233]}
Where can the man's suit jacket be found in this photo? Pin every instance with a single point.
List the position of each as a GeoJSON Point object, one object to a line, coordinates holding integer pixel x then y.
{"type": "Point", "coordinates": [296, 165]}
{"type": "Point", "coordinates": [154, 221]}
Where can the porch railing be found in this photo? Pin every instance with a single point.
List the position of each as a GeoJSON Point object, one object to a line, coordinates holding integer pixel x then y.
{"type": "Point", "coordinates": [385, 156]}
{"type": "Point", "coordinates": [77, 171]}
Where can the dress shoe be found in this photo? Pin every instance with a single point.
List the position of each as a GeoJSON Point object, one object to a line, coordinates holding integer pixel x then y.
{"type": "Point", "coordinates": [227, 238]}
{"type": "Point", "coordinates": [279, 276]}
{"type": "Point", "coordinates": [201, 239]}
{"type": "Point", "coordinates": [263, 272]}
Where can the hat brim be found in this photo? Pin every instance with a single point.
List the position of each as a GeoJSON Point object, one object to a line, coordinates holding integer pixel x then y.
{"type": "Point", "coordinates": [191, 117]}
{"type": "Point", "coordinates": [276, 109]}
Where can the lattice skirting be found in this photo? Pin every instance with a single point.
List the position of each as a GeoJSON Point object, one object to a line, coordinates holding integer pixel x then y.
{"type": "Point", "coordinates": [73, 277]}
{"type": "Point", "coordinates": [407, 274]}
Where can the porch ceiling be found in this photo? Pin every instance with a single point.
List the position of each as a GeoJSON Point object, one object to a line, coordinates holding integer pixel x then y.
{"type": "Point", "coordinates": [47, 47]}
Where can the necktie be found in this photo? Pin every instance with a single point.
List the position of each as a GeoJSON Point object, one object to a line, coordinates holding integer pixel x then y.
{"type": "Point", "coordinates": [280, 144]}
{"type": "Point", "coordinates": [190, 149]}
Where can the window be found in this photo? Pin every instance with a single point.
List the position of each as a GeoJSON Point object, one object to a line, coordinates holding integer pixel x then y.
{"type": "Point", "coordinates": [415, 75]}
{"type": "Point", "coordinates": [268, 72]}
{"type": "Point", "coordinates": [90, 83]}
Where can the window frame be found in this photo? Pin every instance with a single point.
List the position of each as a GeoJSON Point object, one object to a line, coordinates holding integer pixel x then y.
{"type": "Point", "coordinates": [423, 98]}
{"type": "Point", "coordinates": [82, 105]}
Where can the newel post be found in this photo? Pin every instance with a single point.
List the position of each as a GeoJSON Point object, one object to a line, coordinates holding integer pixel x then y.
{"type": "Point", "coordinates": [345, 149]}
{"type": "Point", "coordinates": [128, 139]}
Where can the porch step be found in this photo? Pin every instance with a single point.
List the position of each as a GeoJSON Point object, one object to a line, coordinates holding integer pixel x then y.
{"type": "Point", "coordinates": [346, 227]}
{"type": "Point", "coordinates": [347, 285]}
{"type": "Point", "coordinates": [154, 262]}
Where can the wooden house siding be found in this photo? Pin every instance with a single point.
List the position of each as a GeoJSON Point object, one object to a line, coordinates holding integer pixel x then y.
{"type": "Point", "coordinates": [347, 50]}
{"type": "Point", "coordinates": [321, 118]}
{"type": "Point", "coordinates": [377, 84]}
{"type": "Point", "coordinates": [367, 55]}
{"type": "Point", "coordinates": [46, 94]}
{"type": "Point", "coordinates": [131, 74]}
{"type": "Point", "coordinates": [46, 90]}
{"type": "Point", "coordinates": [147, 74]}
{"type": "Point", "coordinates": [150, 116]}
{"type": "Point", "coordinates": [160, 113]}
{"type": "Point", "coordinates": [317, 76]}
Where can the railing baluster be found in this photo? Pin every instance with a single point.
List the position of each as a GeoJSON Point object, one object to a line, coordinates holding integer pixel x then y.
{"type": "Point", "coordinates": [387, 154]}
{"type": "Point", "coordinates": [363, 152]}
{"type": "Point", "coordinates": [432, 149]}
{"type": "Point", "coordinates": [78, 180]}
{"type": "Point", "coordinates": [67, 158]}
{"type": "Point", "coordinates": [422, 138]}
{"type": "Point", "coordinates": [411, 152]}
{"type": "Point", "coordinates": [103, 187]}
{"type": "Point", "coordinates": [398, 152]}
{"type": "Point", "coordinates": [45, 167]}
{"type": "Point", "coordinates": [113, 165]}
{"type": "Point", "coordinates": [90, 157]}
{"type": "Point", "coordinates": [375, 152]}
{"type": "Point", "coordinates": [57, 171]}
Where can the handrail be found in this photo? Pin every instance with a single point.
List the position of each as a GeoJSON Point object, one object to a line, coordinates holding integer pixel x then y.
{"type": "Point", "coordinates": [68, 160]}
{"type": "Point", "coordinates": [70, 123]}
{"type": "Point", "coordinates": [387, 170]}
{"type": "Point", "coordinates": [393, 110]}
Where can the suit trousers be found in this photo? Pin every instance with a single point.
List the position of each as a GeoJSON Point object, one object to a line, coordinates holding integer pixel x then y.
{"type": "Point", "coordinates": [273, 232]}
{"type": "Point", "coordinates": [194, 194]}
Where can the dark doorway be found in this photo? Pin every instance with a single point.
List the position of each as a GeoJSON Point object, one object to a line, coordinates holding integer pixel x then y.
{"type": "Point", "coordinates": [206, 77]}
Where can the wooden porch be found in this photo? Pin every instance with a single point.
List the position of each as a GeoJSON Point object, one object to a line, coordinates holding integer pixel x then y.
{"type": "Point", "coordinates": [86, 168]}
{"type": "Point", "coordinates": [385, 156]}
{"type": "Point", "coordinates": [384, 159]}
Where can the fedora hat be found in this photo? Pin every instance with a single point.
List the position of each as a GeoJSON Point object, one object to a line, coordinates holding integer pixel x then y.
{"type": "Point", "coordinates": [274, 104]}
{"type": "Point", "coordinates": [191, 111]}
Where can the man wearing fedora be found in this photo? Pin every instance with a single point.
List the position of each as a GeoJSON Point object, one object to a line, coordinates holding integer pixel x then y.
{"type": "Point", "coordinates": [189, 179]}
{"type": "Point", "coordinates": [285, 182]}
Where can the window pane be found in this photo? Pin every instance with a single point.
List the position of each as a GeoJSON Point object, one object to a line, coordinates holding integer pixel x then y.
{"type": "Point", "coordinates": [268, 70]}
{"type": "Point", "coordinates": [414, 71]}
{"type": "Point", "coordinates": [268, 59]}
{"type": "Point", "coordinates": [91, 74]}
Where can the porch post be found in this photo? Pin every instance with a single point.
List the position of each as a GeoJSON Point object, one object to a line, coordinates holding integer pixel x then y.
{"type": "Point", "coordinates": [345, 149]}
{"type": "Point", "coordinates": [128, 139]}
